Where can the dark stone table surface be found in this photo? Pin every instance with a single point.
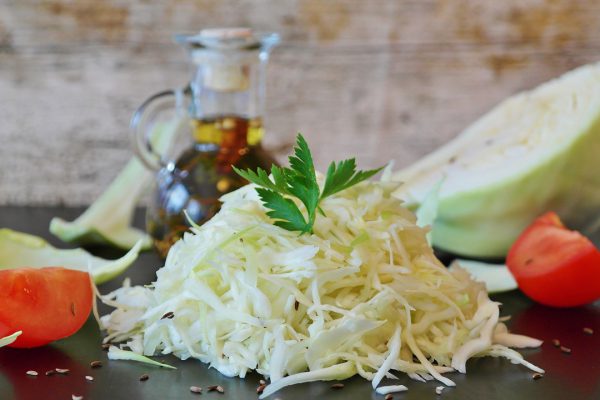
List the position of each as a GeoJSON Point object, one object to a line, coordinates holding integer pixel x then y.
{"type": "Point", "coordinates": [573, 376]}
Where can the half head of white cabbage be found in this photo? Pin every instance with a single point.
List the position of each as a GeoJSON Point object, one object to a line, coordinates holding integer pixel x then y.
{"type": "Point", "coordinates": [362, 295]}
{"type": "Point", "coordinates": [535, 152]}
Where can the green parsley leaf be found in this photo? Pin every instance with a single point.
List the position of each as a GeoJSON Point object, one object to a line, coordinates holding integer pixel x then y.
{"type": "Point", "coordinates": [302, 162]}
{"type": "Point", "coordinates": [343, 175]}
{"type": "Point", "coordinates": [300, 181]}
{"type": "Point", "coordinates": [284, 211]}
{"type": "Point", "coordinates": [279, 178]}
{"type": "Point", "coordinates": [260, 177]}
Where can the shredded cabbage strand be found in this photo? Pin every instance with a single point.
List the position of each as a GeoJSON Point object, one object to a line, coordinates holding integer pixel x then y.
{"type": "Point", "coordinates": [6, 340]}
{"type": "Point", "coordinates": [362, 295]}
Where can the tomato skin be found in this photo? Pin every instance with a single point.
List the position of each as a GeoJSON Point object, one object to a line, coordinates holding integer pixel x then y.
{"type": "Point", "coordinates": [47, 304]}
{"type": "Point", "coordinates": [554, 265]}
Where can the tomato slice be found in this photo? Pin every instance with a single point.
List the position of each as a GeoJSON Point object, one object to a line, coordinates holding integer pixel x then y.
{"type": "Point", "coordinates": [554, 265]}
{"type": "Point", "coordinates": [47, 304]}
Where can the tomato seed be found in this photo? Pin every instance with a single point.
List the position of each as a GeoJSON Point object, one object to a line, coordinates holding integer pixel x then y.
{"type": "Point", "coordinates": [260, 389]}
{"type": "Point", "coordinates": [50, 373]}
{"type": "Point", "coordinates": [438, 390]}
{"type": "Point", "coordinates": [89, 378]}
{"type": "Point", "coordinates": [389, 396]}
{"type": "Point", "coordinates": [32, 373]}
{"type": "Point", "coordinates": [337, 386]}
{"type": "Point", "coordinates": [537, 376]}
{"type": "Point", "coordinates": [62, 371]}
{"type": "Point", "coordinates": [96, 364]}
{"type": "Point", "coordinates": [76, 397]}
{"type": "Point", "coordinates": [196, 389]}
{"type": "Point", "coordinates": [144, 377]}
{"type": "Point", "coordinates": [262, 382]}
{"type": "Point", "coordinates": [588, 331]}
{"type": "Point", "coordinates": [556, 342]}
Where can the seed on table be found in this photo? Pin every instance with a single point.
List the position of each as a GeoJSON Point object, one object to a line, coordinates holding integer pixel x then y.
{"type": "Point", "coordinates": [62, 371]}
{"type": "Point", "coordinates": [389, 396]}
{"type": "Point", "coordinates": [337, 386]}
{"type": "Point", "coordinates": [89, 378]}
{"type": "Point", "coordinates": [76, 397]}
{"type": "Point", "coordinates": [96, 364]}
{"type": "Point", "coordinates": [51, 372]}
{"type": "Point", "coordinates": [588, 331]}
{"type": "Point", "coordinates": [144, 377]}
{"type": "Point", "coordinates": [260, 389]}
{"type": "Point", "coordinates": [537, 376]}
{"type": "Point", "coordinates": [32, 373]}
{"type": "Point", "coordinates": [262, 382]}
{"type": "Point", "coordinates": [195, 389]}
{"type": "Point", "coordinates": [217, 388]}
{"type": "Point", "coordinates": [556, 342]}
{"type": "Point", "coordinates": [565, 350]}
{"type": "Point", "coordinates": [438, 390]}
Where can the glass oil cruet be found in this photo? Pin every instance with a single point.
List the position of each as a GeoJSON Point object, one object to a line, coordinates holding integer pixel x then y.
{"type": "Point", "coordinates": [220, 116]}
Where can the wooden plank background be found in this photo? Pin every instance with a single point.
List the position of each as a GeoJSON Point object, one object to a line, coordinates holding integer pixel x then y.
{"type": "Point", "coordinates": [380, 79]}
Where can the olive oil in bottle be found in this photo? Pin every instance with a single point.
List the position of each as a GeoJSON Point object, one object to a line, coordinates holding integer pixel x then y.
{"type": "Point", "coordinates": [203, 174]}
{"type": "Point", "coordinates": [224, 104]}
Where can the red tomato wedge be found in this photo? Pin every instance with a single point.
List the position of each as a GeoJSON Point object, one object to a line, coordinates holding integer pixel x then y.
{"type": "Point", "coordinates": [555, 266]}
{"type": "Point", "coordinates": [47, 304]}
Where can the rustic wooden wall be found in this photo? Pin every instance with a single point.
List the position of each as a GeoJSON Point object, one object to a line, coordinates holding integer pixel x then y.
{"type": "Point", "coordinates": [380, 79]}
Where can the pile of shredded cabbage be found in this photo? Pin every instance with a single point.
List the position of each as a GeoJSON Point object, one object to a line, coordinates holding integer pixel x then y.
{"type": "Point", "coordinates": [362, 295]}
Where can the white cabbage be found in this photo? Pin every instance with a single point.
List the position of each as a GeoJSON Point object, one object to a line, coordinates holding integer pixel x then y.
{"type": "Point", "coordinates": [114, 353]}
{"type": "Point", "coordinates": [108, 220]}
{"type": "Point", "coordinates": [537, 151]}
{"type": "Point", "coordinates": [5, 341]}
{"type": "Point", "coordinates": [497, 277]}
{"type": "Point", "coordinates": [18, 249]}
{"type": "Point", "coordinates": [362, 295]}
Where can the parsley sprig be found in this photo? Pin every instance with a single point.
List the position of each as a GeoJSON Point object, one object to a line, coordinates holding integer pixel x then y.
{"type": "Point", "coordinates": [300, 181]}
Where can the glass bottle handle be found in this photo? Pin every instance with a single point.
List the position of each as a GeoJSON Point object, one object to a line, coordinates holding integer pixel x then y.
{"type": "Point", "coordinates": [144, 144]}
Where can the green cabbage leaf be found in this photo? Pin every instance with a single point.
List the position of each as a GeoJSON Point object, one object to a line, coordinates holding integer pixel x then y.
{"type": "Point", "coordinates": [108, 220]}
{"type": "Point", "coordinates": [19, 249]}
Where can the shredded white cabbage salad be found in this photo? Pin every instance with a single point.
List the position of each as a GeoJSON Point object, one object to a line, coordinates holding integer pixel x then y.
{"type": "Point", "coordinates": [362, 295]}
